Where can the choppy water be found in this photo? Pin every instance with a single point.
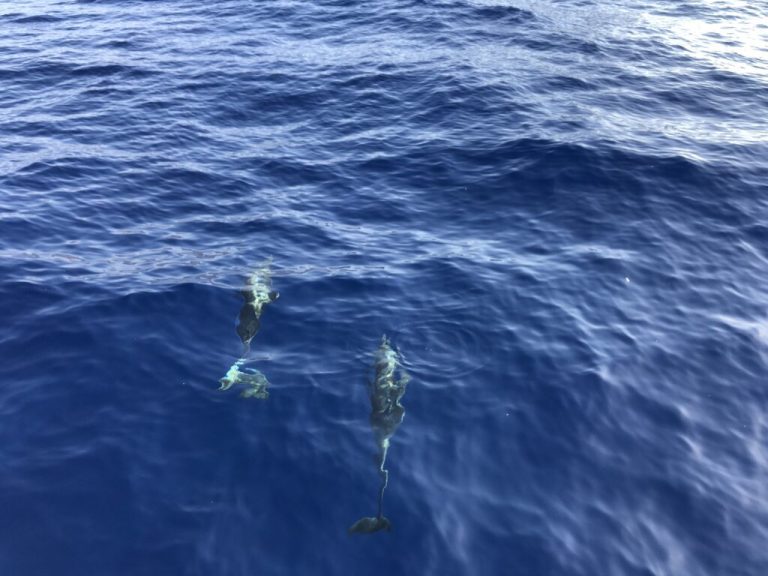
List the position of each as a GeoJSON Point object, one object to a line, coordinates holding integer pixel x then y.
{"type": "Point", "coordinates": [557, 210]}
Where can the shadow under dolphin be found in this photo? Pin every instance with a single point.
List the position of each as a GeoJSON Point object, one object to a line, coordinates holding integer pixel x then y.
{"type": "Point", "coordinates": [387, 414]}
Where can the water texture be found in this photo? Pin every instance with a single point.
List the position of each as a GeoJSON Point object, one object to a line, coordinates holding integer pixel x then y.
{"type": "Point", "coordinates": [556, 209]}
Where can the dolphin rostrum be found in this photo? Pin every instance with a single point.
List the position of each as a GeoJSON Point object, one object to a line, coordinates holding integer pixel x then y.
{"type": "Point", "coordinates": [386, 415]}
{"type": "Point", "coordinates": [257, 292]}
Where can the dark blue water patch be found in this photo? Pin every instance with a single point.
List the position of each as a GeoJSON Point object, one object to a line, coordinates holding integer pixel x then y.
{"type": "Point", "coordinates": [501, 13]}
{"type": "Point", "coordinates": [561, 43]}
{"type": "Point", "coordinates": [62, 72]}
{"type": "Point", "coordinates": [110, 70]}
{"type": "Point", "coordinates": [31, 128]}
{"type": "Point", "coordinates": [259, 106]}
{"type": "Point", "coordinates": [60, 172]}
{"type": "Point", "coordinates": [567, 84]}
{"type": "Point", "coordinates": [757, 232]}
{"type": "Point", "coordinates": [527, 173]}
{"type": "Point", "coordinates": [122, 44]}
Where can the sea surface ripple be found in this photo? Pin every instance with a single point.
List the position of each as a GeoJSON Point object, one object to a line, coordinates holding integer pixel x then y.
{"type": "Point", "coordinates": [556, 209]}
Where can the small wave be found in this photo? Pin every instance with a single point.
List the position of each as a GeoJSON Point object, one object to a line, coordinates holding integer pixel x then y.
{"type": "Point", "coordinates": [111, 70]}
{"type": "Point", "coordinates": [500, 13]}
{"type": "Point", "coordinates": [37, 19]}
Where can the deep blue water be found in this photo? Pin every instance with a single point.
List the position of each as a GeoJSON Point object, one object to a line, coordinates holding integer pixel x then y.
{"type": "Point", "coordinates": [556, 209]}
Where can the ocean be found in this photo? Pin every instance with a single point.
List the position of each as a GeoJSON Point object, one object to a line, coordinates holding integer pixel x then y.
{"type": "Point", "coordinates": [555, 210]}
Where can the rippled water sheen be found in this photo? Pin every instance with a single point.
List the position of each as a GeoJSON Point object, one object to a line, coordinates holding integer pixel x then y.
{"type": "Point", "coordinates": [557, 210]}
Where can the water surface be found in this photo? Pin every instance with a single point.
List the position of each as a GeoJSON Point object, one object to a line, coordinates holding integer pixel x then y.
{"type": "Point", "coordinates": [557, 210]}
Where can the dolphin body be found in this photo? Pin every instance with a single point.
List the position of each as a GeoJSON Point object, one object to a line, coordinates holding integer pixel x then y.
{"type": "Point", "coordinates": [257, 292]}
{"type": "Point", "coordinates": [256, 383]}
{"type": "Point", "coordinates": [386, 415]}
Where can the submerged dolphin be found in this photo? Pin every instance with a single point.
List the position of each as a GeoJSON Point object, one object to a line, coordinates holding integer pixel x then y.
{"type": "Point", "coordinates": [255, 381]}
{"type": "Point", "coordinates": [257, 292]}
{"type": "Point", "coordinates": [386, 415]}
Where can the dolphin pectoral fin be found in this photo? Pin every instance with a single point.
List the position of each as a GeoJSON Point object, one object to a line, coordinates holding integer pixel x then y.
{"type": "Point", "coordinates": [274, 295]}
{"type": "Point", "coordinates": [370, 524]}
{"type": "Point", "coordinates": [226, 384]}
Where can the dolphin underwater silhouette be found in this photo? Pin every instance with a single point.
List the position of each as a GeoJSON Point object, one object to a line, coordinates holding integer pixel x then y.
{"type": "Point", "coordinates": [255, 381]}
{"type": "Point", "coordinates": [386, 415]}
{"type": "Point", "coordinates": [257, 292]}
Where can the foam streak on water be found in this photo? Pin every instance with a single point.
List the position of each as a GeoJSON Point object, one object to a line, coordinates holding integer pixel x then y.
{"type": "Point", "coordinates": [557, 208]}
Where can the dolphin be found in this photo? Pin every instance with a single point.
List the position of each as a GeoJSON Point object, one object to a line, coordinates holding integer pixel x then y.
{"type": "Point", "coordinates": [257, 292]}
{"type": "Point", "coordinates": [387, 414]}
{"type": "Point", "coordinates": [255, 381]}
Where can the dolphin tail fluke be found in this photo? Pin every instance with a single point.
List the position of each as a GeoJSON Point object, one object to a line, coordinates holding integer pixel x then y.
{"type": "Point", "coordinates": [370, 524]}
